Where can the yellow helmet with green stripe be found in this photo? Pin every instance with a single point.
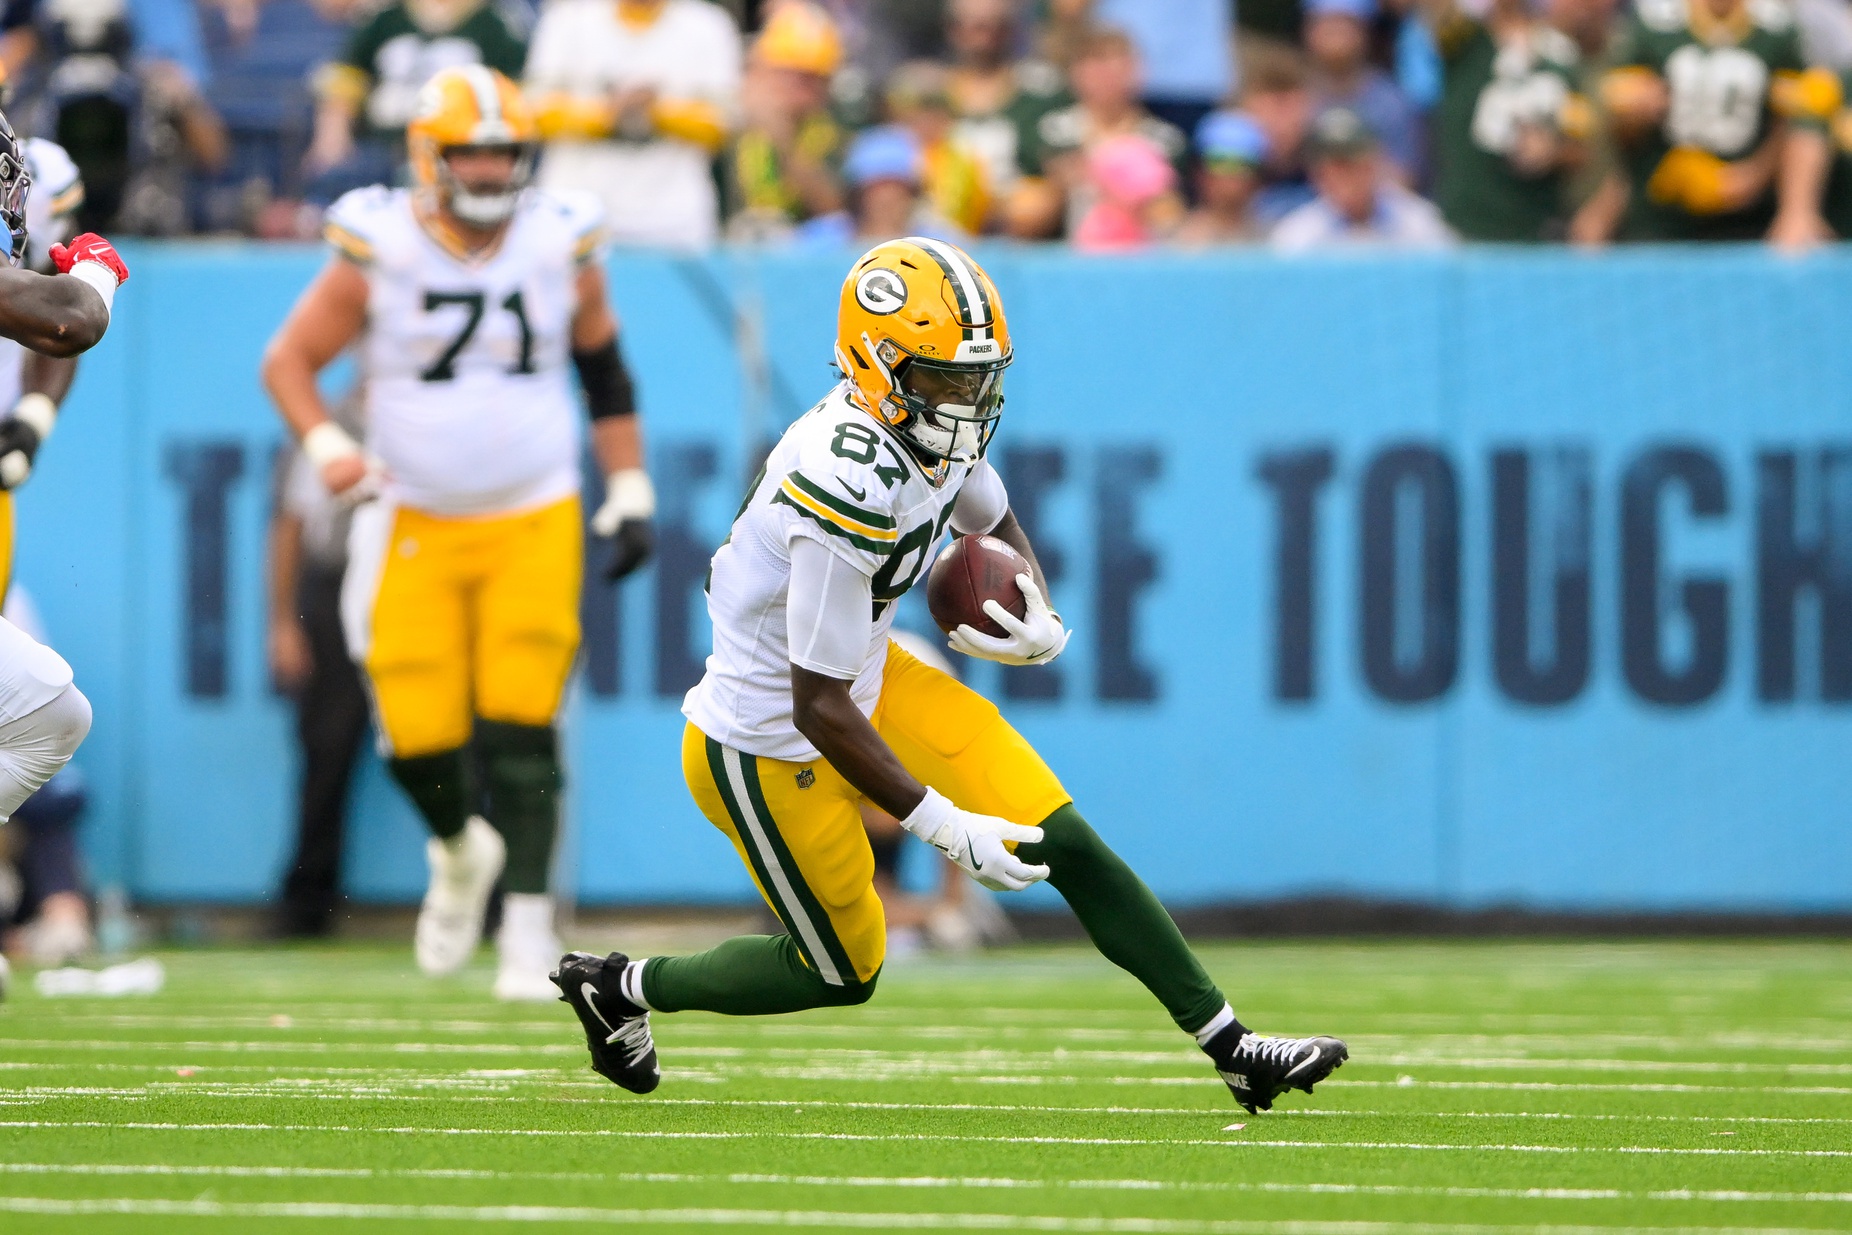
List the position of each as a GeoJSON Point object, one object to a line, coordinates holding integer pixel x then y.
{"type": "Point", "coordinates": [921, 336]}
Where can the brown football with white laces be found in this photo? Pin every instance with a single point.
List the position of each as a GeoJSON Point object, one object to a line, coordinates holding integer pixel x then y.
{"type": "Point", "coordinates": [972, 570]}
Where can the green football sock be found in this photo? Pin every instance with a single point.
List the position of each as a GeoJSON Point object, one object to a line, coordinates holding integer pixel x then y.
{"type": "Point", "coordinates": [1123, 918]}
{"type": "Point", "coordinates": [748, 975]}
{"type": "Point", "coordinates": [440, 787]}
{"type": "Point", "coordinates": [520, 765]}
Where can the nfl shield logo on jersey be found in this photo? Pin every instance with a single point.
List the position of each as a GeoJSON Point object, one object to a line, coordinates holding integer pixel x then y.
{"type": "Point", "coordinates": [806, 778]}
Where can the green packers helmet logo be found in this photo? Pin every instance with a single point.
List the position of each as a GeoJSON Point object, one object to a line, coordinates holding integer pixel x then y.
{"type": "Point", "coordinates": [881, 291]}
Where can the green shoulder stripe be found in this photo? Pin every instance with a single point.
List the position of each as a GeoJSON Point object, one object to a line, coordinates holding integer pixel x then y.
{"type": "Point", "coordinates": [847, 509]}
{"type": "Point", "coordinates": [833, 528]}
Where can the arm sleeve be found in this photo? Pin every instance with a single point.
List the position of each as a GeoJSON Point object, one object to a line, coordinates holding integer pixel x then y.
{"type": "Point", "coordinates": [829, 611]}
{"type": "Point", "coordinates": [982, 503]}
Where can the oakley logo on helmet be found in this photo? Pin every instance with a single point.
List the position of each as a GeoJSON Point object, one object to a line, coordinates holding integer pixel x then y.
{"type": "Point", "coordinates": [881, 291]}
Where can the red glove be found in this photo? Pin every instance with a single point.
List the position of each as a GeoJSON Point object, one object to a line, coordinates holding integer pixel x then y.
{"type": "Point", "coordinates": [90, 247]}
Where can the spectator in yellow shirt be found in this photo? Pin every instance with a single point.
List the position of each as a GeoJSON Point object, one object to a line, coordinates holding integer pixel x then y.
{"type": "Point", "coordinates": [634, 99]}
{"type": "Point", "coordinates": [785, 163]}
{"type": "Point", "coordinates": [955, 179]}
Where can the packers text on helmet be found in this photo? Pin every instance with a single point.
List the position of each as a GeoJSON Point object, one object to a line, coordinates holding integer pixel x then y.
{"type": "Point", "coordinates": [921, 337]}
{"type": "Point", "coordinates": [471, 107]}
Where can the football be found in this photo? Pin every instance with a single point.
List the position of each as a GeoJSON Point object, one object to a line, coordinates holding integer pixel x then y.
{"type": "Point", "coordinates": [972, 570]}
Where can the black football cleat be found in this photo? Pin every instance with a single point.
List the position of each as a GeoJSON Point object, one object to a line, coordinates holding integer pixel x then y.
{"type": "Point", "coordinates": [616, 1030]}
{"type": "Point", "coordinates": [1258, 1069]}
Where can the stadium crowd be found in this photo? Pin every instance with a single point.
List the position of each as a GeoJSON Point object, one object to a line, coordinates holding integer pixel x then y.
{"type": "Point", "coordinates": [1107, 124]}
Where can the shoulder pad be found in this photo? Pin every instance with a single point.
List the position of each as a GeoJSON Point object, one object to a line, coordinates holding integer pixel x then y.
{"type": "Point", "coordinates": [845, 479]}
{"type": "Point", "coordinates": [1662, 16]}
{"type": "Point", "coordinates": [838, 494]}
{"type": "Point", "coordinates": [1774, 16]}
{"type": "Point", "coordinates": [53, 172]}
{"type": "Point", "coordinates": [580, 215]}
{"type": "Point", "coordinates": [357, 222]}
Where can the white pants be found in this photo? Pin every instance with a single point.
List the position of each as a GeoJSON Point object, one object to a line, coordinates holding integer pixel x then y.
{"type": "Point", "coordinates": [36, 745]}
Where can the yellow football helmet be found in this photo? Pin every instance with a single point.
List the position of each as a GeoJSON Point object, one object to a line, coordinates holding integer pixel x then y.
{"type": "Point", "coordinates": [920, 335]}
{"type": "Point", "coordinates": [475, 106]}
{"type": "Point", "coordinates": [800, 37]}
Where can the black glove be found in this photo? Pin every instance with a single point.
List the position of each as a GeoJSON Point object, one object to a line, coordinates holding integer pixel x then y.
{"type": "Point", "coordinates": [631, 546]}
{"type": "Point", "coordinates": [19, 446]}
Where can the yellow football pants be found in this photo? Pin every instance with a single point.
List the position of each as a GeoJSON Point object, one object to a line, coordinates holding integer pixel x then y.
{"type": "Point", "coordinates": [455, 618]}
{"type": "Point", "coordinates": [6, 543]}
{"type": "Point", "coordinates": [798, 826]}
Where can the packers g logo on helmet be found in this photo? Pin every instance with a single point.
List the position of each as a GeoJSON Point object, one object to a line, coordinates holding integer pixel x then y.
{"type": "Point", "coordinates": [880, 291]}
{"type": "Point", "coordinates": [921, 338]}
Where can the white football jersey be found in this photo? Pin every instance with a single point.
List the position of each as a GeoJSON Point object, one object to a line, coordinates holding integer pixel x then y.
{"type": "Point", "coordinates": [840, 477]}
{"type": "Point", "coordinates": [56, 192]}
{"type": "Point", "coordinates": [469, 397]}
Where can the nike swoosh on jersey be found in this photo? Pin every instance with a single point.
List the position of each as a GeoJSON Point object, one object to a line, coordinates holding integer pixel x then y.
{"type": "Point", "coordinates": [860, 495]}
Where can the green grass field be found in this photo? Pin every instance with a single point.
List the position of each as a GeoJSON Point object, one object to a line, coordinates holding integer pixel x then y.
{"type": "Point", "coordinates": [1492, 1086]}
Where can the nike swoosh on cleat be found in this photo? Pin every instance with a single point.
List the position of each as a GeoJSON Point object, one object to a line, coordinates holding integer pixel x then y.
{"type": "Point", "coordinates": [589, 992]}
{"type": "Point", "coordinates": [1308, 1061]}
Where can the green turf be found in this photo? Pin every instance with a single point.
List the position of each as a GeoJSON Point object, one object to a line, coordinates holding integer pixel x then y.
{"type": "Point", "coordinates": [1492, 1085]}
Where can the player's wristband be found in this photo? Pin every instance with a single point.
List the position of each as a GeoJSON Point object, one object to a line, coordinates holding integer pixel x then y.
{"type": "Point", "coordinates": [930, 816]}
{"type": "Point", "coordinates": [99, 276]}
{"type": "Point", "coordinates": [36, 409]}
{"type": "Point", "coordinates": [631, 494]}
{"type": "Point", "coordinates": [327, 443]}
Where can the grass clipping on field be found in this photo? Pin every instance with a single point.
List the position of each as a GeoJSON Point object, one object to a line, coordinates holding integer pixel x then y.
{"type": "Point", "coordinates": [1491, 1086]}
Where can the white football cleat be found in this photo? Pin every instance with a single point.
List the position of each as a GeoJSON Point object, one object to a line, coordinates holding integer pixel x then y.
{"type": "Point", "coordinates": [528, 949]}
{"type": "Point", "coordinates": [463, 873]}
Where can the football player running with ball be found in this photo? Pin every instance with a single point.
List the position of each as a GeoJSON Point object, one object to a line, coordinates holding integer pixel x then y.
{"type": "Point", "coordinates": [470, 297]}
{"type": "Point", "coordinates": [43, 716]}
{"type": "Point", "coordinates": [807, 707]}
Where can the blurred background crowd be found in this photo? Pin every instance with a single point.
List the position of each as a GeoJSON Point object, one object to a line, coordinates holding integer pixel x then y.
{"type": "Point", "coordinates": [1104, 124]}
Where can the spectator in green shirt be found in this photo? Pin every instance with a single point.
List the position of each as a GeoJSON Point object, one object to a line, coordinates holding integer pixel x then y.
{"type": "Point", "coordinates": [997, 98]}
{"type": "Point", "coordinates": [785, 167]}
{"type": "Point", "coordinates": [390, 56]}
{"type": "Point", "coordinates": [1511, 128]}
{"type": "Point", "coordinates": [1055, 192]}
{"type": "Point", "coordinates": [1700, 100]}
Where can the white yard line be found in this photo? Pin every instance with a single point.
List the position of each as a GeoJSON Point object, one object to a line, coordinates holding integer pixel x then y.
{"type": "Point", "coordinates": [922, 1181]}
{"type": "Point", "coordinates": [566, 1075]}
{"type": "Point", "coordinates": [377, 1091]}
{"type": "Point", "coordinates": [1761, 1039]}
{"type": "Point", "coordinates": [886, 1138]}
{"type": "Point", "coordinates": [324, 1210]}
{"type": "Point", "coordinates": [937, 1061]}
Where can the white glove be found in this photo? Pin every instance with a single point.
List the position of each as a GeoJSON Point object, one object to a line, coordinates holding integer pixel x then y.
{"type": "Point", "coordinates": [975, 842]}
{"type": "Point", "coordinates": [1035, 638]}
{"type": "Point", "coordinates": [627, 495]}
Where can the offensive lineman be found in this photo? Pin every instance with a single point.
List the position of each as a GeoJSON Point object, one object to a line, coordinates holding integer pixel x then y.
{"type": "Point", "coordinates": [807, 707]}
{"type": "Point", "coordinates": [43, 716]}
{"type": "Point", "coordinates": [468, 296]}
